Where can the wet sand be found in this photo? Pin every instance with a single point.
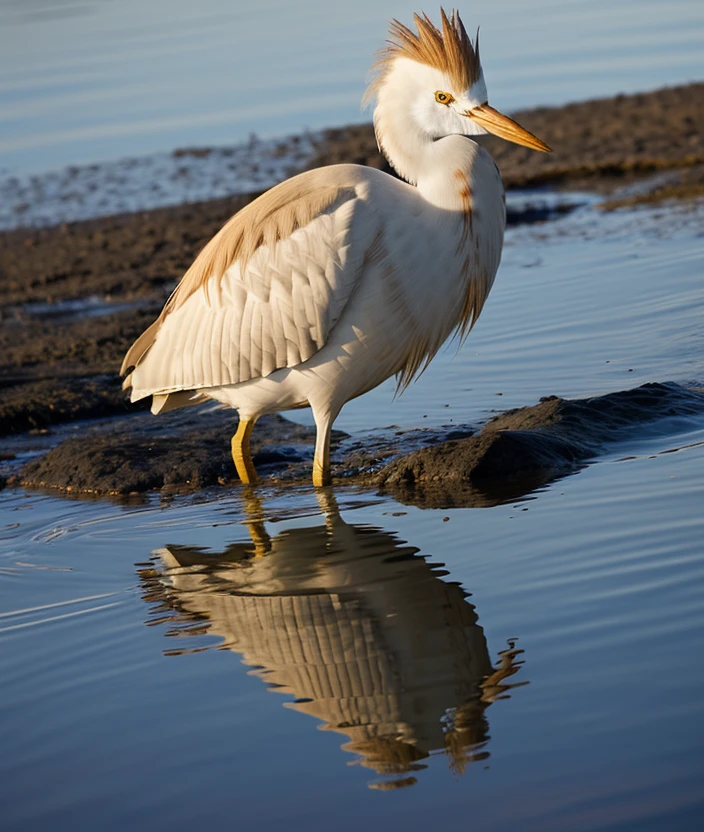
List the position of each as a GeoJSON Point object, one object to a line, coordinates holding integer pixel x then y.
{"type": "Point", "coordinates": [74, 297]}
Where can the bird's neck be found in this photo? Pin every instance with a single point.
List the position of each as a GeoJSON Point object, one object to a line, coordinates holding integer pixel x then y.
{"type": "Point", "coordinates": [440, 168]}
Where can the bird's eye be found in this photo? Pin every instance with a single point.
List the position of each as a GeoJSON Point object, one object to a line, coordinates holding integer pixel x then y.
{"type": "Point", "coordinates": [443, 97]}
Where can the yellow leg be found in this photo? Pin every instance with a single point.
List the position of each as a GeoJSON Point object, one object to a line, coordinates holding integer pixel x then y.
{"type": "Point", "coordinates": [321, 473]}
{"type": "Point", "coordinates": [321, 461]}
{"type": "Point", "coordinates": [241, 454]}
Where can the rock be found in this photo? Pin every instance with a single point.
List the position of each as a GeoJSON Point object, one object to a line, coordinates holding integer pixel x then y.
{"type": "Point", "coordinates": [523, 449]}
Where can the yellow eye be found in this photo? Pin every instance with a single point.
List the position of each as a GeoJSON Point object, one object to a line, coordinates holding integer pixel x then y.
{"type": "Point", "coordinates": [443, 97]}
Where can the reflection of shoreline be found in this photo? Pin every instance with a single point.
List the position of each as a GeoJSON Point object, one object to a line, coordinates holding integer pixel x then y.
{"type": "Point", "coordinates": [357, 627]}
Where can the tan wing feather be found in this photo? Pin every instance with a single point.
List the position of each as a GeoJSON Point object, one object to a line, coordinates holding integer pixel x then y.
{"type": "Point", "coordinates": [271, 218]}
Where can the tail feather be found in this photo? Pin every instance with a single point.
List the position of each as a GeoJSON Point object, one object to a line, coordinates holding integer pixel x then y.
{"type": "Point", "coordinates": [163, 402]}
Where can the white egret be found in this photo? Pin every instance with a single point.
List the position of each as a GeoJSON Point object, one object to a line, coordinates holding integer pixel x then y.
{"type": "Point", "coordinates": [341, 277]}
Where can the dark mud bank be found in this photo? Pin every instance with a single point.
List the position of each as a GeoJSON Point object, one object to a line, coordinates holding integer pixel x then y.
{"type": "Point", "coordinates": [185, 451]}
{"type": "Point", "coordinates": [515, 452]}
{"type": "Point", "coordinates": [520, 450]}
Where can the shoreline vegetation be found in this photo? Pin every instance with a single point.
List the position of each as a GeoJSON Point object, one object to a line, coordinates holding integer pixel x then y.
{"type": "Point", "coordinates": [74, 296]}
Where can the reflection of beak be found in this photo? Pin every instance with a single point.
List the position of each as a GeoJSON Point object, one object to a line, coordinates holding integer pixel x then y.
{"type": "Point", "coordinates": [501, 125]}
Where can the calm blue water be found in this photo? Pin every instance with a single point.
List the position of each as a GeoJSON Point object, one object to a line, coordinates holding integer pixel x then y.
{"type": "Point", "coordinates": [83, 81]}
{"type": "Point", "coordinates": [156, 676]}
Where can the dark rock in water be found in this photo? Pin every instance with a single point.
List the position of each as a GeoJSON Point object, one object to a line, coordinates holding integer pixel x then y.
{"type": "Point", "coordinates": [179, 452]}
{"type": "Point", "coordinates": [523, 449]}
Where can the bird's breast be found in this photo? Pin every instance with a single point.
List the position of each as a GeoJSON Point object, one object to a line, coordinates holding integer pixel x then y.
{"type": "Point", "coordinates": [430, 267]}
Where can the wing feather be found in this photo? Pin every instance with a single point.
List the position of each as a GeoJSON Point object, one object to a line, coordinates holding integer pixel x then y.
{"type": "Point", "coordinates": [217, 333]}
{"type": "Point", "coordinates": [245, 328]}
{"type": "Point", "coordinates": [290, 267]}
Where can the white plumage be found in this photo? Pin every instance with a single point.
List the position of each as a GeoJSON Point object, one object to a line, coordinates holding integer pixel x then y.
{"type": "Point", "coordinates": [341, 277]}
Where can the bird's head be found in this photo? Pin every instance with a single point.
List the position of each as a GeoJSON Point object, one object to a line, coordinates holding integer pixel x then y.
{"type": "Point", "coordinates": [435, 76]}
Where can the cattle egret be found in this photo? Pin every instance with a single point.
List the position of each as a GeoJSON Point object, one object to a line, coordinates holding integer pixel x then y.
{"type": "Point", "coordinates": [341, 277]}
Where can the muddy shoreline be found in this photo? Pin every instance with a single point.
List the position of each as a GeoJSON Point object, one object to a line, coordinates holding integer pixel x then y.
{"type": "Point", "coordinates": [514, 453]}
{"type": "Point", "coordinates": [73, 297]}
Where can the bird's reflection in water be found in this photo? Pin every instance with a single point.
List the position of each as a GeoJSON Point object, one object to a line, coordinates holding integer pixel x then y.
{"type": "Point", "coordinates": [357, 626]}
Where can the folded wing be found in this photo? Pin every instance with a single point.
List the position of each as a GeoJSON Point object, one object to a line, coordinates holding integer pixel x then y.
{"type": "Point", "coordinates": [264, 294]}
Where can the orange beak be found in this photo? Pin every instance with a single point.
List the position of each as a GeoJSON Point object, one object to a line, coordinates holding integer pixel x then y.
{"type": "Point", "coordinates": [501, 125]}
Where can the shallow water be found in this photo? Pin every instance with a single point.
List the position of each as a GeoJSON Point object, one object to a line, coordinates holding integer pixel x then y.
{"type": "Point", "coordinates": [253, 660]}
{"type": "Point", "coordinates": [141, 693]}
{"type": "Point", "coordinates": [88, 81]}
